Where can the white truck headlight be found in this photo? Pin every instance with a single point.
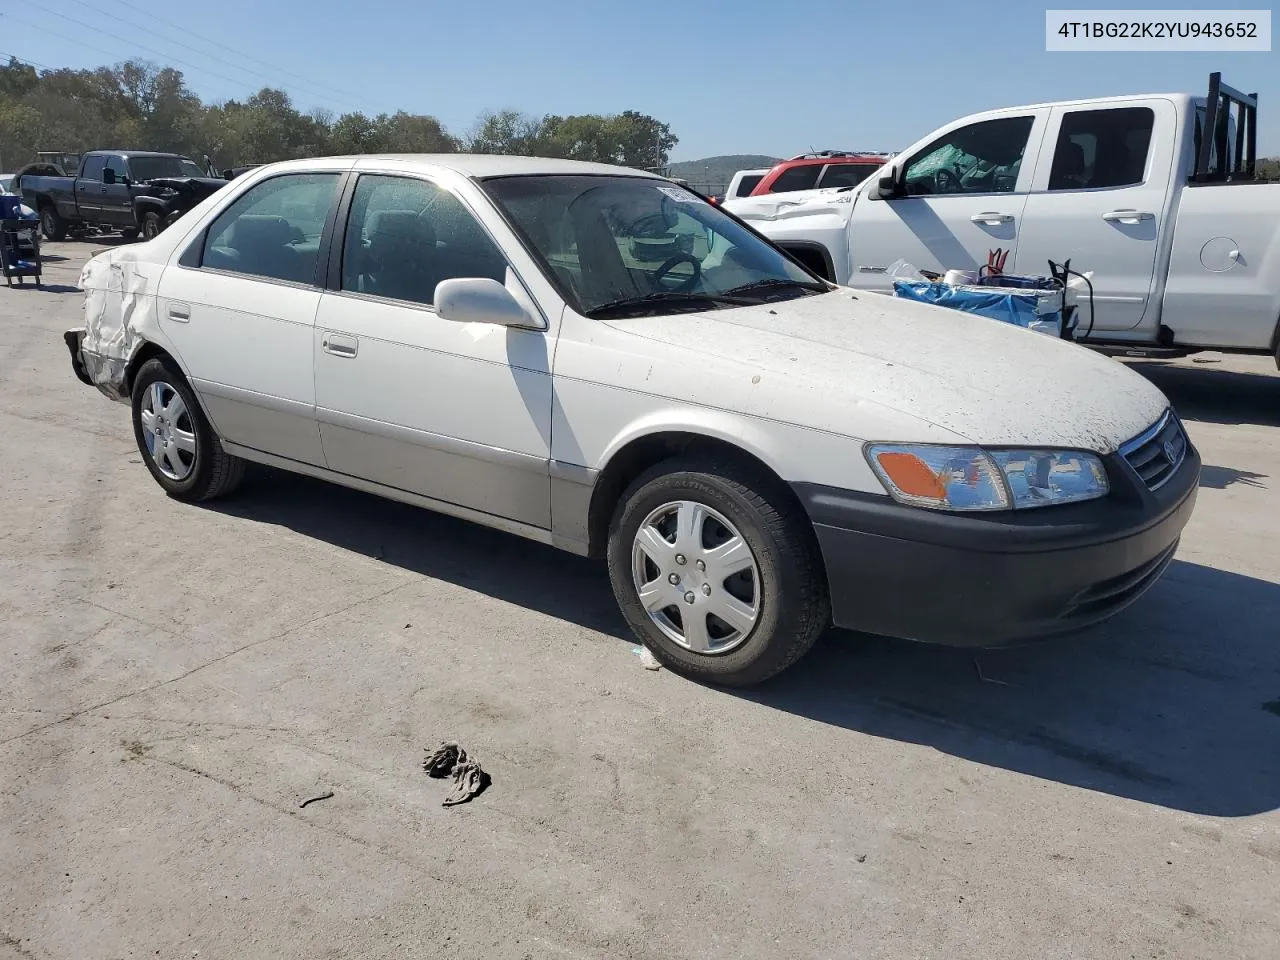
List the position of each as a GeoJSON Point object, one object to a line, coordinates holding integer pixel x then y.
{"type": "Point", "coordinates": [969, 478]}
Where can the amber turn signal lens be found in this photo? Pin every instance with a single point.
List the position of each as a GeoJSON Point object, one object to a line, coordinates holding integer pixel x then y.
{"type": "Point", "coordinates": [911, 475]}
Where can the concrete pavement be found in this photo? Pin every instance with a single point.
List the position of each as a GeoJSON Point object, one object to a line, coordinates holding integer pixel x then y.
{"type": "Point", "coordinates": [175, 679]}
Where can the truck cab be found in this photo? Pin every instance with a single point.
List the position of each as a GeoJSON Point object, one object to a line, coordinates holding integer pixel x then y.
{"type": "Point", "coordinates": [1182, 244]}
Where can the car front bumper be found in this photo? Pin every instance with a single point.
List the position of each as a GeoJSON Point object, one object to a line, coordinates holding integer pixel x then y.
{"type": "Point", "coordinates": [988, 580]}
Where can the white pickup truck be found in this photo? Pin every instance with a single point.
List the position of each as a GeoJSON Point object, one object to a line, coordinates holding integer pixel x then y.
{"type": "Point", "coordinates": [1182, 243]}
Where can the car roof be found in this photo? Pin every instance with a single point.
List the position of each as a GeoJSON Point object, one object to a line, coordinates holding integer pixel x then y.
{"type": "Point", "coordinates": [134, 153]}
{"type": "Point", "coordinates": [842, 158]}
{"type": "Point", "coordinates": [477, 166]}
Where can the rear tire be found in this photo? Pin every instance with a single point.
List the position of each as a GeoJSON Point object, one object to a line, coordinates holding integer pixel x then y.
{"type": "Point", "coordinates": [51, 223]}
{"type": "Point", "coordinates": [775, 599]}
{"type": "Point", "coordinates": [176, 441]}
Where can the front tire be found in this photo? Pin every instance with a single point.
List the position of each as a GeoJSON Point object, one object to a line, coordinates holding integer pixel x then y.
{"type": "Point", "coordinates": [51, 223]}
{"type": "Point", "coordinates": [151, 225]}
{"type": "Point", "coordinates": [717, 571]}
{"type": "Point", "coordinates": [176, 441]}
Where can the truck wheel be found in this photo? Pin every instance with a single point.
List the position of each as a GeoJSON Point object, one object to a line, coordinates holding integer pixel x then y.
{"type": "Point", "coordinates": [151, 225]}
{"type": "Point", "coordinates": [717, 571]}
{"type": "Point", "coordinates": [176, 442]}
{"type": "Point", "coordinates": [51, 223]}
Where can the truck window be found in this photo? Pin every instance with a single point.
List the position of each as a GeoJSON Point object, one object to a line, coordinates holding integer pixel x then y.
{"type": "Point", "coordinates": [747, 184]}
{"type": "Point", "coordinates": [1102, 148]}
{"type": "Point", "coordinates": [847, 174]}
{"type": "Point", "coordinates": [983, 157]}
{"type": "Point", "coordinates": [93, 168]}
{"type": "Point", "coordinates": [116, 164]}
{"type": "Point", "coordinates": [797, 178]}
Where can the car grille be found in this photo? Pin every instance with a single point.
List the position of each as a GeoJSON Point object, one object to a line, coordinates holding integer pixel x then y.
{"type": "Point", "coordinates": [1158, 451]}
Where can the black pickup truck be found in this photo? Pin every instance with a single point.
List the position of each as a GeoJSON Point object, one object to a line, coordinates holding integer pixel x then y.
{"type": "Point", "coordinates": [132, 191]}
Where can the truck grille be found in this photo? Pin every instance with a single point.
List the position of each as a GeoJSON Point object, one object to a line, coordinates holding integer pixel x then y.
{"type": "Point", "coordinates": [1158, 451]}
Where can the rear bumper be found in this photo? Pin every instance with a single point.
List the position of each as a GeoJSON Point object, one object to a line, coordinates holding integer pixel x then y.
{"type": "Point", "coordinates": [105, 373]}
{"type": "Point", "coordinates": [991, 580]}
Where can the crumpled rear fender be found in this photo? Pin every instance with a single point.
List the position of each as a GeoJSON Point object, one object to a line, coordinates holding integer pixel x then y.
{"type": "Point", "coordinates": [120, 316]}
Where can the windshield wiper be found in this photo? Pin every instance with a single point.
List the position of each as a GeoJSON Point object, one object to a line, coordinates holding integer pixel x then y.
{"type": "Point", "coordinates": [778, 283]}
{"type": "Point", "coordinates": [668, 297]}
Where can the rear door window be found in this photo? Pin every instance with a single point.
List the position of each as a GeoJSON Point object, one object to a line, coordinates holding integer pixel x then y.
{"type": "Point", "coordinates": [797, 178]}
{"type": "Point", "coordinates": [93, 168]}
{"type": "Point", "coordinates": [846, 174]}
{"type": "Point", "coordinates": [1102, 148]}
{"type": "Point", "coordinates": [274, 230]}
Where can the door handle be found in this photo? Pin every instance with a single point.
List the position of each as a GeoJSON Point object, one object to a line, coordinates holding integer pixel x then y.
{"type": "Point", "coordinates": [179, 312]}
{"type": "Point", "coordinates": [1127, 216]}
{"type": "Point", "coordinates": [339, 345]}
{"type": "Point", "coordinates": [992, 218]}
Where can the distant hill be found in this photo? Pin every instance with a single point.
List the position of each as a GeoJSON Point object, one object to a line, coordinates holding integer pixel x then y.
{"type": "Point", "coordinates": [712, 174]}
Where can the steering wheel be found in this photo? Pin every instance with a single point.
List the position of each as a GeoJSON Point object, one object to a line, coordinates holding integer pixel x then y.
{"type": "Point", "coordinates": [685, 285]}
{"type": "Point", "coordinates": [952, 182]}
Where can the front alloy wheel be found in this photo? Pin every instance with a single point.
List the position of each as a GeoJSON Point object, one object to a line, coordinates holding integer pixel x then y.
{"type": "Point", "coordinates": [716, 569]}
{"type": "Point", "coordinates": [696, 577]}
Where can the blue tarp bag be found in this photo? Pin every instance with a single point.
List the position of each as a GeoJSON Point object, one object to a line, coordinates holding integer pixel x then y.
{"type": "Point", "coordinates": [1034, 309]}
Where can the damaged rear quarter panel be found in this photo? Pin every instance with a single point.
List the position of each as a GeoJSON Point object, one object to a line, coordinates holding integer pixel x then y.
{"type": "Point", "coordinates": [120, 315]}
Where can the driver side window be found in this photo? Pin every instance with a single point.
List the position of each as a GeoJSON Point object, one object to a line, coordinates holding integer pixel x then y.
{"type": "Point", "coordinates": [982, 157]}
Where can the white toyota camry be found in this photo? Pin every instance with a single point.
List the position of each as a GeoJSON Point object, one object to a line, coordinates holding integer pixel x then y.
{"type": "Point", "coordinates": [598, 359]}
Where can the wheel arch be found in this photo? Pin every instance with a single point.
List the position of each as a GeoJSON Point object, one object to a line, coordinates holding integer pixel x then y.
{"type": "Point", "coordinates": [811, 255]}
{"type": "Point", "coordinates": [633, 454]}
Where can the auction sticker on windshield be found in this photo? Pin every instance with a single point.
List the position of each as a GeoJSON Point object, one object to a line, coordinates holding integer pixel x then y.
{"type": "Point", "coordinates": [679, 194]}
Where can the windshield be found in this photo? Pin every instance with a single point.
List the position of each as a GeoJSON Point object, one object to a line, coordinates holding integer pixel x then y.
{"type": "Point", "coordinates": [639, 246]}
{"type": "Point", "coordinates": [152, 168]}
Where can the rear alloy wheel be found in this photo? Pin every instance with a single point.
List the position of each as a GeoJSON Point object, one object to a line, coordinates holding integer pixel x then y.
{"type": "Point", "coordinates": [151, 225]}
{"type": "Point", "coordinates": [717, 570]}
{"type": "Point", "coordinates": [175, 440]}
{"type": "Point", "coordinates": [51, 223]}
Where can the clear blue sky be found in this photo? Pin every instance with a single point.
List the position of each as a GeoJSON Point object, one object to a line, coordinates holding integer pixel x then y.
{"type": "Point", "coordinates": [746, 76]}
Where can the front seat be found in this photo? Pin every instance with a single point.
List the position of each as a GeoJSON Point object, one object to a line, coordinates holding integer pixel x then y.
{"type": "Point", "coordinates": [400, 261]}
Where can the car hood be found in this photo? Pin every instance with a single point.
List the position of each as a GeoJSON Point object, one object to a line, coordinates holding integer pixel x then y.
{"type": "Point", "coordinates": [821, 361]}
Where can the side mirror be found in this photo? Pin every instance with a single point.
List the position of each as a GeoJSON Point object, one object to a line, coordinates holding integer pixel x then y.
{"type": "Point", "coordinates": [888, 187]}
{"type": "Point", "coordinates": [108, 176]}
{"type": "Point", "coordinates": [479, 300]}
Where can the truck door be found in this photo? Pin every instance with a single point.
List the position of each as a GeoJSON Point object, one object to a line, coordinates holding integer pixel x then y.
{"type": "Point", "coordinates": [963, 195]}
{"type": "Point", "coordinates": [117, 197]}
{"type": "Point", "coordinates": [88, 189]}
{"type": "Point", "coordinates": [1100, 197]}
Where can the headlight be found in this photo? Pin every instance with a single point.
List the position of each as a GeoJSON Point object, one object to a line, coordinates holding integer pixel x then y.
{"type": "Point", "coordinates": [968, 478]}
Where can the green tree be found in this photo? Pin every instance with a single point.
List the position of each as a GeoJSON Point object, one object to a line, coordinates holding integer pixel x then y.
{"type": "Point", "coordinates": [140, 105]}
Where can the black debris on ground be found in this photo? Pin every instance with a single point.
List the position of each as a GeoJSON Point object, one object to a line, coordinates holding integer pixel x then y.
{"type": "Point", "coordinates": [451, 760]}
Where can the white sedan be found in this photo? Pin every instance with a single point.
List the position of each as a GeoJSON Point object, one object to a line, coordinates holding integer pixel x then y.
{"type": "Point", "coordinates": [596, 358]}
